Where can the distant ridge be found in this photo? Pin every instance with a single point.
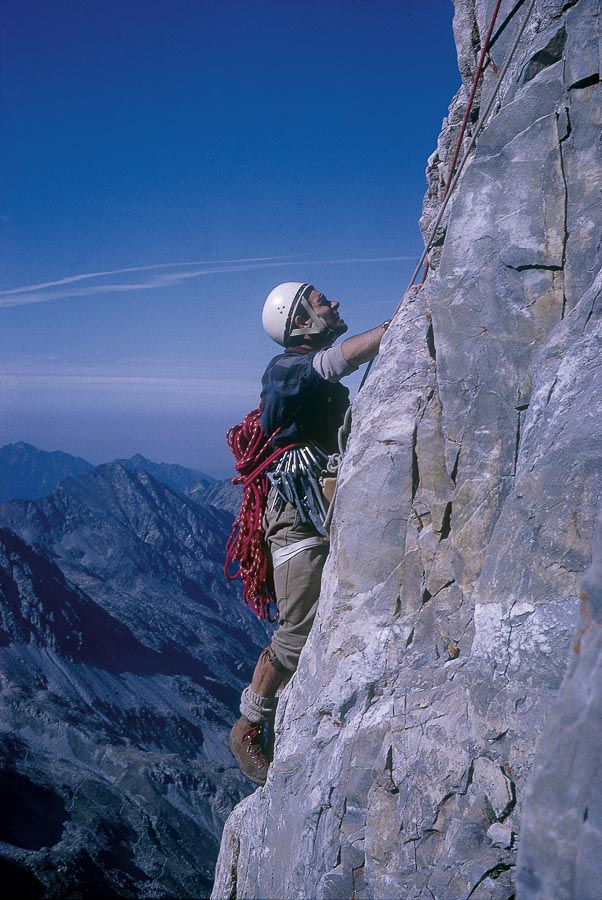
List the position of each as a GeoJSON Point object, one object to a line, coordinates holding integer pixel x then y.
{"type": "Point", "coordinates": [171, 474]}
{"type": "Point", "coordinates": [221, 494]}
{"type": "Point", "coordinates": [27, 473]}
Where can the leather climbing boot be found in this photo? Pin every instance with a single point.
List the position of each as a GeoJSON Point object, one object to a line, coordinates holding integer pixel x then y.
{"type": "Point", "coordinates": [247, 749]}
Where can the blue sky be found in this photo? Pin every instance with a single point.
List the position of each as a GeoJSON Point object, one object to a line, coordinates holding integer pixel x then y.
{"type": "Point", "coordinates": [164, 165]}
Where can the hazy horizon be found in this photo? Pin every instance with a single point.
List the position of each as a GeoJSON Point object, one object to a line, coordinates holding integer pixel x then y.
{"type": "Point", "coordinates": [165, 166]}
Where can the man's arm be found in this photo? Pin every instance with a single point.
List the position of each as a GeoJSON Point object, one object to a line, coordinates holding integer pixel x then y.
{"type": "Point", "coordinates": [362, 347]}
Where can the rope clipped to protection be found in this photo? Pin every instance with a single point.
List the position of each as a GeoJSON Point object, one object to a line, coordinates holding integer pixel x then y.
{"type": "Point", "coordinates": [456, 170]}
{"type": "Point", "coordinates": [334, 461]}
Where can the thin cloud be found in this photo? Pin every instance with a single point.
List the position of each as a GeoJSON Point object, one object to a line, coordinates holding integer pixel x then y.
{"type": "Point", "coordinates": [49, 381]}
{"type": "Point", "coordinates": [40, 293]}
{"type": "Point", "coordinates": [71, 279]}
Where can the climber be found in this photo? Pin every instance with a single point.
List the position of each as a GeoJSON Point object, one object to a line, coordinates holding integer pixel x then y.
{"type": "Point", "coordinates": [304, 403]}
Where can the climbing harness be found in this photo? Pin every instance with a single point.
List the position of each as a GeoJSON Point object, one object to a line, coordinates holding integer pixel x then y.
{"type": "Point", "coordinates": [296, 479]}
{"type": "Point", "coordinates": [298, 474]}
{"type": "Point", "coordinates": [306, 477]}
{"type": "Point", "coordinates": [284, 554]}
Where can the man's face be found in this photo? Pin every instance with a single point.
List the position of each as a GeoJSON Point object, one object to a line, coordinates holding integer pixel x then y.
{"type": "Point", "coordinates": [328, 310]}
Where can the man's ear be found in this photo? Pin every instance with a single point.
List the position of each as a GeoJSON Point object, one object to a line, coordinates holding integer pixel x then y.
{"type": "Point", "coordinates": [300, 322]}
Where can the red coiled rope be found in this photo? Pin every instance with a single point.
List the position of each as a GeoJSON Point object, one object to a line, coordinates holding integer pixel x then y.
{"type": "Point", "coordinates": [246, 545]}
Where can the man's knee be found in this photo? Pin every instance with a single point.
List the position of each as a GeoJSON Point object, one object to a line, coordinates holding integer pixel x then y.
{"type": "Point", "coordinates": [269, 656]}
{"type": "Point", "coordinates": [287, 650]}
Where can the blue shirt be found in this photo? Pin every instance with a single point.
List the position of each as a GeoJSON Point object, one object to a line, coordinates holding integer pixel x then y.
{"type": "Point", "coordinates": [306, 405]}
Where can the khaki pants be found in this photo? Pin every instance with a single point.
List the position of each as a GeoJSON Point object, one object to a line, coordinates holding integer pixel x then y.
{"type": "Point", "coordinates": [297, 581]}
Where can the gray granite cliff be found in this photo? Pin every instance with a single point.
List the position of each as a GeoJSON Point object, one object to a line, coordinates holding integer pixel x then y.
{"type": "Point", "coordinates": [406, 740]}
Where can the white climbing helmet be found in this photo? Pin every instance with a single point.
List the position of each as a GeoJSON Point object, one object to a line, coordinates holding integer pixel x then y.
{"type": "Point", "coordinates": [281, 307]}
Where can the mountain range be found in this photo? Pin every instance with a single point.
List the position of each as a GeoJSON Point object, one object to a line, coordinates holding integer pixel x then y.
{"type": "Point", "coordinates": [123, 652]}
{"type": "Point", "coordinates": [27, 473]}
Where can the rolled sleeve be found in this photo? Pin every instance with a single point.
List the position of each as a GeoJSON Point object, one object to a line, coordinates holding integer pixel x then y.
{"type": "Point", "coordinates": [331, 365]}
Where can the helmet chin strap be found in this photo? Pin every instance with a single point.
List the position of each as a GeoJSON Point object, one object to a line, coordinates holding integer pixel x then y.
{"type": "Point", "coordinates": [318, 325]}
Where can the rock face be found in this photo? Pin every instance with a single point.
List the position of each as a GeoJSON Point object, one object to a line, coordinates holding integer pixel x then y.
{"type": "Point", "coordinates": [122, 658]}
{"type": "Point", "coordinates": [561, 829]}
{"type": "Point", "coordinates": [406, 739]}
